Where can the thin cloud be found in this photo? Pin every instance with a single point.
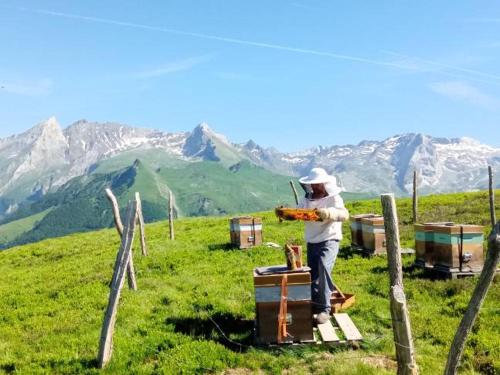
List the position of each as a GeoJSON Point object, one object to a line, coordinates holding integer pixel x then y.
{"type": "Point", "coordinates": [391, 64]}
{"type": "Point", "coordinates": [36, 88]}
{"type": "Point", "coordinates": [215, 37]}
{"type": "Point", "coordinates": [416, 65]}
{"type": "Point", "coordinates": [413, 65]}
{"type": "Point", "coordinates": [173, 67]}
{"type": "Point", "coordinates": [462, 91]}
{"type": "Point", "coordinates": [423, 62]}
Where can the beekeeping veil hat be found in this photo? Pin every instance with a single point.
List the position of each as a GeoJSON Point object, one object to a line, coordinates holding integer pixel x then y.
{"type": "Point", "coordinates": [319, 176]}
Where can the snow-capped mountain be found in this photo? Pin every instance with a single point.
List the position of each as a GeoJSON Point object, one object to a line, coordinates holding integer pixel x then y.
{"type": "Point", "coordinates": [456, 164]}
{"type": "Point", "coordinates": [46, 156]}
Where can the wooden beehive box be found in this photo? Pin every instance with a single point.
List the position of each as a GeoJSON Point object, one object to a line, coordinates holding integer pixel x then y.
{"type": "Point", "coordinates": [458, 247]}
{"type": "Point", "coordinates": [424, 243]}
{"type": "Point", "coordinates": [373, 234]}
{"type": "Point", "coordinates": [245, 231]}
{"type": "Point", "coordinates": [267, 305]}
{"type": "Point", "coordinates": [356, 232]}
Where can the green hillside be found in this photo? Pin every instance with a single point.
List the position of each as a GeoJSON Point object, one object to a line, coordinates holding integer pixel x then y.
{"type": "Point", "coordinates": [14, 229]}
{"type": "Point", "coordinates": [200, 189]}
{"type": "Point", "coordinates": [54, 295]}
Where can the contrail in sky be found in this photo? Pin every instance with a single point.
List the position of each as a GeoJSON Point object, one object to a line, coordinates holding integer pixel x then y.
{"type": "Point", "coordinates": [254, 43]}
{"type": "Point", "coordinates": [212, 37]}
{"type": "Point", "coordinates": [441, 65]}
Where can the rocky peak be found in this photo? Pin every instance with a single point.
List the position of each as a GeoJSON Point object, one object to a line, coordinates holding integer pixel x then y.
{"type": "Point", "coordinates": [251, 145]}
{"type": "Point", "coordinates": [201, 143]}
{"type": "Point", "coordinates": [51, 123]}
{"type": "Point", "coordinates": [44, 128]}
{"type": "Point", "coordinates": [203, 126]}
{"type": "Point", "coordinates": [51, 129]}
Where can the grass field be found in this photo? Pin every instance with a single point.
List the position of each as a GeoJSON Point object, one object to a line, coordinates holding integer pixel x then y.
{"type": "Point", "coordinates": [10, 231]}
{"type": "Point", "coordinates": [54, 294]}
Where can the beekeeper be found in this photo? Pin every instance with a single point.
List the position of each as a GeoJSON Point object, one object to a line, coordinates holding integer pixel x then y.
{"type": "Point", "coordinates": [323, 237]}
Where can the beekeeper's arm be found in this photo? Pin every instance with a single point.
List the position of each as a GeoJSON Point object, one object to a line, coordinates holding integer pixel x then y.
{"type": "Point", "coordinates": [336, 213]}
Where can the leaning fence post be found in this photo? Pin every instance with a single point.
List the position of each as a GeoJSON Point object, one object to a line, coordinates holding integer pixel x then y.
{"type": "Point", "coordinates": [140, 218]}
{"type": "Point", "coordinates": [122, 259]}
{"type": "Point", "coordinates": [476, 301]}
{"type": "Point", "coordinates": [171, 215]}
{"type": "Point", "coordinates": [403, 341]}
{"type": "Point", "coordinates": [132, 282]}
{"type": "Point", "coordinates": [294, 192]}
{"type": "Point", "coordinates": [415, 197]}
{"type": "Point", "coordinates": [492, 197]}
{"type": "Point", "coordinates": [116, 211]}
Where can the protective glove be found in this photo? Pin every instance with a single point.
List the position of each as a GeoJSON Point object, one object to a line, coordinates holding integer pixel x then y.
{"type": "Point", "coordinates": [332, 213]}
{"type": "Point", "coordinates": [323, 213]}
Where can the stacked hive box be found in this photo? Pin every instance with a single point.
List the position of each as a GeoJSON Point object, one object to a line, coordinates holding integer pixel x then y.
{"type": "Point", "coordinates": [373, 234]}
{"type": "Point", "coordinates": [268, 293]}
{"type": "Point", "coordinates": [356, 230]}
{"type": "Point", "coordinates": [449, 246]}
{"type": "Point", "coordinates": [424, 243]}
{"type": "Point", "coordinates": [246, 231]}
{"type": "Point", "coordinates": [458, 247]}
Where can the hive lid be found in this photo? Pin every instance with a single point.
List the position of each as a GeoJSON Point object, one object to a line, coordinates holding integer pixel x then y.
{"type": "Point", "coordinates": [281, 269]}
{"type": "Point", "coordinates": [246, 220]}
{"type": "Point", "coordinates": [298, 277]}
{"type": "Point", "coordinates": [361, 216]}
{"type": "Point", "coordinates": [455, 229]}
{"type": "Point", "coordinates": [431, 226]}
{"type": "Point", "coordinates": [373, 220]}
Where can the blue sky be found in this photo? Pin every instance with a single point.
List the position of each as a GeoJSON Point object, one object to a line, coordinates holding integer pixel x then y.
{"type": "Point", "coordinates": [290, 74]}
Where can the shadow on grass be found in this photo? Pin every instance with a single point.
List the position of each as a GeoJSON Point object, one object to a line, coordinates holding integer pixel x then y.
{"type": "Point", "coordinates": [234, 333]}
{"type": "Point", "coordinates": [226, 246]}
{"type": "Point", "coordinates": [75, 365]}
{"type": "Point", "coordinates": [412, 272]}
{"type": "Point", "coordinates": [347, 252]}
{"type": "Point", "coordinates": [8, 368]}
{"type": "Point", "coordinates": [380, 269]}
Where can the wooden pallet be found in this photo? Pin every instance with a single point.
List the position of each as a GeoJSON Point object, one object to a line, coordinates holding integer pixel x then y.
{"type": "Point", "coordinates": [349, 333]}
{"type": "Point", "coordinates": [370, 253]}
{"type": "Point", "coordinates": [344, 332]}
{"type": "Point", "coordinates": [448, 272]}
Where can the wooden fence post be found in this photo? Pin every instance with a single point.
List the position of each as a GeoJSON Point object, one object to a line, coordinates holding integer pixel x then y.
{"type": "Point", "coordinates": [122, 259]}
{"type": "Point", "coordinates": [492, 197]}
{"type": "Point", "coordinates": [476, 301]}
{"type": "Point", "coordinates": [116, 211]}
{"type": "Point", "coordinates": [415, 197]}
{"type": "Point", "coordinates": [294, 192]}
{"type": "Point", "coordinates": [403, 341]}
{"type": "Point", "coordinates": [171, 215]}
{"type": "Point", "coordinates": [132, 282]}
{"type": "Point", "coordinates": [142, 230]}
{"type": "Point", "coordinates": [392, 239]}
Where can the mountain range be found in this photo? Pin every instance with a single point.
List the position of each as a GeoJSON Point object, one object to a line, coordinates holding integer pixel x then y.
{"type": "Point", "coordinates": [48, 172]}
